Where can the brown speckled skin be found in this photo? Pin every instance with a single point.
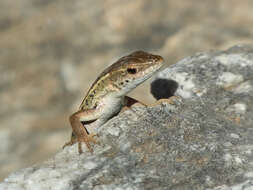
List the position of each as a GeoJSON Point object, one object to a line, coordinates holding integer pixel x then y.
{"type": "Point", "coordinates": [107, 95]}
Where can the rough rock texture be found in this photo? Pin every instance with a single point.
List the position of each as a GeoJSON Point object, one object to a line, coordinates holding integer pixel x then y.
{"type": "Point", "coordinates": [201, 139]}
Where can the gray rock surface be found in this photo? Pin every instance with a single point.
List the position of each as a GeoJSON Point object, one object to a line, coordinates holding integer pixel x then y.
{"type": "Point", "coordinates": [200, 139]}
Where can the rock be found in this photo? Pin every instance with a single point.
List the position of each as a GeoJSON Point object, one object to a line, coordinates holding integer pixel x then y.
{"type": "Point", "coordinates": [200, 139]}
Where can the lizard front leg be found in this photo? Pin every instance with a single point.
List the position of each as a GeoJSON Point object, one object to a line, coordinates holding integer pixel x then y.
{"type": "Point", "coordinates": [129, 102]}
{"type": "Point", "coordinates": [169, 100]}
{"type": "Point", "coordinates": [80, 134]}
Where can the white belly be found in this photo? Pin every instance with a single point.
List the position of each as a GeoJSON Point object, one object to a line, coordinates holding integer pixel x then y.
{"type": "Point", "coordinates": [110, 106]}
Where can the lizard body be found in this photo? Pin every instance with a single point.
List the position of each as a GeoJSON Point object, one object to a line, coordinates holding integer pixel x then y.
{"type": "Point", "coordinates": [107, 95]}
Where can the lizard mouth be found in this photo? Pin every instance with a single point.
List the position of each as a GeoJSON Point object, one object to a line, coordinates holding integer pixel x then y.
{"type": "Point", "coordinates": [158, 62]}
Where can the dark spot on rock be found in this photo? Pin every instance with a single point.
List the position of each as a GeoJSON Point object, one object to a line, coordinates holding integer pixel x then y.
{"type": "Point", "coordinates": [163, 88]}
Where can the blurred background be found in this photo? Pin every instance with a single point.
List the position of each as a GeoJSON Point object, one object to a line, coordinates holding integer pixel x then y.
{"type": "Point", "coordinates": [52, 51]}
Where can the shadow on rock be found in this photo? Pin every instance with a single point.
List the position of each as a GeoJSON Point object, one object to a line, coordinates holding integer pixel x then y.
{"type": "Point", "coordinates": [163, 88]}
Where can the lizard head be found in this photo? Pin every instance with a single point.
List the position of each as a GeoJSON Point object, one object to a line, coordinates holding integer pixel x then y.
{"type": "Point", "coordinates": [133, 69]}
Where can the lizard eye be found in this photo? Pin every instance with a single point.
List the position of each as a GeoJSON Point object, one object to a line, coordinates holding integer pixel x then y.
{"type": "Point", "coordinates": [131, 70]}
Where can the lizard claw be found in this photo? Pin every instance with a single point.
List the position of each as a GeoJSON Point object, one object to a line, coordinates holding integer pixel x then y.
{"type": "Point", "coordinates": [86, 139]}
{"type": "Point", "coordinates": [89, 138]}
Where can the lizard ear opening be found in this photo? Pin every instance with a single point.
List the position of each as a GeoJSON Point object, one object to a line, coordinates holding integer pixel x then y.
{"type": "Point", "coordinates": [132, 70]}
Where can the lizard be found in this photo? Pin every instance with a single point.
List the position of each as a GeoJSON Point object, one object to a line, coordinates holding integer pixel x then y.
{"type": "Point", "coordinates": [107, 95]}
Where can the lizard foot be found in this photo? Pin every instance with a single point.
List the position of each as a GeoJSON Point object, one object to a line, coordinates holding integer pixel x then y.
{"type": "Point", "coordinates": [86, 139]}
{"type": "Point", "coordinates": [164, 100]}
